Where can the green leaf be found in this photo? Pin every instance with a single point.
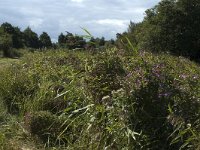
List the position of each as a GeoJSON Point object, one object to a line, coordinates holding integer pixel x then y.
{"type": "Point", "coordinates": [131, 45]}
{"type": "Point", "coordinates": [86, 31]}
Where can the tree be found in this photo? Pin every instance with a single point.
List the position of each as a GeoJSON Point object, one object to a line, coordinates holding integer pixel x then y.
{"type": "Point", "coordinates": [61, 39]}
{"type": "Point", "coordinates": [5, 43]}
{"type": "Point", "coordinates": [189, 40]}
{"type": "Point", "coordinates": [79, 42]}
{"type": "Point", "coordinates": [45, 40]}
{"type": "Point", "coordinates": [31, 38]}
{"type": "Point", "coordinates": [102, 42]}
{"type": "Point", "coordinates": [172, 25]}
{"type": "Point", "coordinates": [71, 41]}
{"type": "Point", "coordinates": [15, 33]}
{"type": "Point", "coordinates": [92, 43]}
{"type": "Point", "coordinates": [8, 28]}
{"type": "Point", "coordinates": [18, 38]}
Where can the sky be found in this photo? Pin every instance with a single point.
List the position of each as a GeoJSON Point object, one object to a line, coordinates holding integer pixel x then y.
{"type": "Point", "coordinates": [100, 17]}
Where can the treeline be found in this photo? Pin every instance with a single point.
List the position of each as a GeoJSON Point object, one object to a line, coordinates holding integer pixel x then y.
{"type": "Point", "coordinates": [71, 41]}
{"type": "Point", "coordinates": [171, 26]}
{"type": "Point", "coordinates": [13, 38]}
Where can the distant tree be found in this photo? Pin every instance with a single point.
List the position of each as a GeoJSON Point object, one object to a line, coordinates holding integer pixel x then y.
{"type": "Point", "coordinates": [17, 38]}
{"type": "Point", "coordinates": [15, 33]}
{"type": "Point", "coordinates": [61, 39]}
{"type": "Point", "coordinates": [102, 41]}
{"type": "Point", "coordinates": [54, 45]}
{"type": "Point", "coordinates": [91, 44]}
{"type": "Point", "coordinates": [5, 43]}
{"type": "Point", "coordinates": [8, 28]}
{"type": "Point", "coordinates": [45, 40]}
{"type": "Point", "coordinates": [112, 42]}
{"type": "Point", "coordinates": [71, 41]}
{"type": "Point", "coordinates": [79, 42]}
{"type": "Point", "coordinates": [109, 43]}
{"type": "Point", "coordinates": [31, 38]}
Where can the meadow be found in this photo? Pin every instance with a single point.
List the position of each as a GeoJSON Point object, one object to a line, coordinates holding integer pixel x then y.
{"type": "Point", "coordinates": [110, 99]}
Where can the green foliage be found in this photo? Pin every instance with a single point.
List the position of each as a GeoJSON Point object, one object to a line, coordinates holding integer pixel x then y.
{"type": "Point", "coordinates": [71, 41]}
{"type": "Point", "coordinates": [5, 43]}
{"type": "Point", "coordinates": [103, 76]}
{"type": "Point", "coordinates": [20, 86]}
{"type": "Point", "coordinates": [171, 26]}
{"type": "Point", "coordinates": [45, 40]}
{"type": "Point", "coordinates": [45, 125]}
{"type": "Point", "coordinates": [116, 98]}
{"type": "Point", "coordinates": [61, 39]}
{"type": "Point", "coordinates": [107, 100]}
{"type": "Point", "coordinates": [15, 33]}
{"type": "Point", "coordinates": [31, 38]}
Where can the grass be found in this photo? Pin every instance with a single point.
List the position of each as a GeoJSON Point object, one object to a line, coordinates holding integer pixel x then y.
{"type": "Point", "coordinates": [105, 100]}
{"type": "Point", "coordinates": [5, 62]}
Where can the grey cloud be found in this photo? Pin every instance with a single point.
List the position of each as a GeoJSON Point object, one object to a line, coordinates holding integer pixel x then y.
{"type": "Point", "coordinates": [100, 17]}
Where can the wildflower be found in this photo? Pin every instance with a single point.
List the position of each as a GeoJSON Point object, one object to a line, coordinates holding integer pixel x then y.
{"type": "Point", "coordinates": [195, 77]}
{"type": "Point", "coordinates": [129, 74]}
{"type": "Point", "coordinates": [183, 76]}
{"type": "Point", "coordinates": [167, 94]}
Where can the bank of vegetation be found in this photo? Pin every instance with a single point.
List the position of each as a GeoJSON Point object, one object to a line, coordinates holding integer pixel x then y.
{"type": "Point", "coordinates": [140, 91]}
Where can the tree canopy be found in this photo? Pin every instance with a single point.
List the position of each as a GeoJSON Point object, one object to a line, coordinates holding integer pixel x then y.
{"type": "Point", "coordinates": [172, 25]}
{"type": "Point", "coordinates": [31, 38]}
{"type": "Point", "coordinates": [45, 40]}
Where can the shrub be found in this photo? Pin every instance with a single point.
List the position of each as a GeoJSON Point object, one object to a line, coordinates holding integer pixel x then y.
{"type": "Point", "coordinates": [46, 126]}
{"type": "Point", "coordinates": [158, 90]}
{"type": "Point", "coordinates": [16, 86]}
{"type": "Point", "coordinates": [104, 76]}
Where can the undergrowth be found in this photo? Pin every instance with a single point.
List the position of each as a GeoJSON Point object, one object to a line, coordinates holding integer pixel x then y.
{"type": "Point", "coordinates": [108, 100]}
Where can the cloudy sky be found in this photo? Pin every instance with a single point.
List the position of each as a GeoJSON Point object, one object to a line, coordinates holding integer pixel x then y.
{"type": "Point", "coordinates": [100, 17]}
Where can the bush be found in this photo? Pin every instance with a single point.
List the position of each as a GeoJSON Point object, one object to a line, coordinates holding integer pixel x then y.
{"type": "Point", "coordinates": [45, 125]}
{"type": "Point", "coordinates": [163, 100]}
{"type": "Point", "coordinates": [16, 86]}
{"type": "Point", "coordinates": [104, 76]}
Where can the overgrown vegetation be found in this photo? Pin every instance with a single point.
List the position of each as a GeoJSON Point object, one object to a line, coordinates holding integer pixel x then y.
{"type": "Point", "coordinates": [96, 94]}
{"type": "Point", "coordinates": [108, 100]}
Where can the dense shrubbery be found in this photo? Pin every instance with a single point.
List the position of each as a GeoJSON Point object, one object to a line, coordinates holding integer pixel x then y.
{"type": "Point", "coordinates": [111, 99]}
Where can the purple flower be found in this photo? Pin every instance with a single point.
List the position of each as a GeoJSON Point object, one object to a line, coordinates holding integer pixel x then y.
{"type": "Point", "coordinates": [129, 74]}
{"type": "Point", "coordinates": [183, 76]}
{"type": "Point", "coordinates": [167, 94]}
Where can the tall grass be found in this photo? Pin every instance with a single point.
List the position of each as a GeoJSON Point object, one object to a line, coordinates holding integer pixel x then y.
{"type": "Point", "coordinates": [108, 100]}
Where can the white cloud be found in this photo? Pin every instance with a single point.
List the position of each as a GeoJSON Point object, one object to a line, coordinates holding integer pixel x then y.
{"type": "Point", "coordinates": [77, 1]}
{"type": "Point", "coordinates": [35, 23]}
{"type": "Point", "coordinates": [113, 22]}
{"type": "Point", "coordinates": [101, 17]}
